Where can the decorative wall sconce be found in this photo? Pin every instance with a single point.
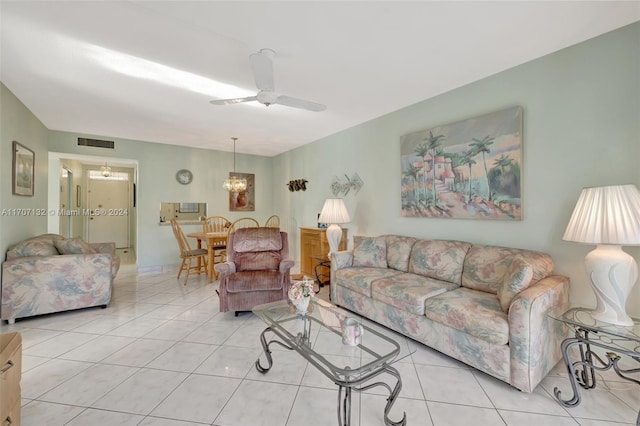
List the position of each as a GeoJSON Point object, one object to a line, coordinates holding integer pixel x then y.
{"type": "Point", "coordinates": [345, 185]}
{"type": "Point", "coordinates": [297, 185]}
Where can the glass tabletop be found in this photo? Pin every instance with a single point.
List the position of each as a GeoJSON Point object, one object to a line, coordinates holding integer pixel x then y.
{"type": "Point", "coordinates": [582, 318]}
{"type": "Point", "coordinates": [317, 336]}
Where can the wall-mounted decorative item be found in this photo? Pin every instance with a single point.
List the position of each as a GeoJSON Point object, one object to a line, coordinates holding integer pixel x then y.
{"type": "Point", "coordinates": [470, 169]}
{"type": "Point", "coordinates": [23, 170]}
{"type": "Point", "coordinates": [78, 195]}
{"type": "Point", "coordinates": [184, 176]}
{"type": "Point", "coordinates": [297, 185]}
{"type": "Point", "coordinates": [243, 201]}
{"type": "Point", "coordinates": [345, 185]}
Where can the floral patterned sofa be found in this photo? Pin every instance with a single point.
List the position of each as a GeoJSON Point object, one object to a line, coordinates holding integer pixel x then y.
{"type": "Point", "coordinates": [486, 306]}
{"type": "Point", "coordinates": [50, 273]}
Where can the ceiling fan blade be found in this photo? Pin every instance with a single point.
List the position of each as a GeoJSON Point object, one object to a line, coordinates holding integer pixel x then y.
{"type": "Point", "coordinates": [262, 70]}
{"type": "Point", "coordinates": [300, 103]}
{"type": "Point", "coordinates": [233, 100]}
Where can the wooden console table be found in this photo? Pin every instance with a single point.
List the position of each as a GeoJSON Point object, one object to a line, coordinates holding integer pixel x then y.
{"type": "Point", "coordinates": [314, 249]}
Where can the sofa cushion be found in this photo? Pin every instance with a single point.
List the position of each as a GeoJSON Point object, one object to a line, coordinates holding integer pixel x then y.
{"type": "Point", "coordinates": [73, 246]}
{"type": "Point", "coordinates": [41, 245]}
{"type": "Point", "coordinates": [439, 259]}
{"type": "Point", "coordinates": [369, 252]}
{"type": "Point", "coordinates": [477, 313]}
{"type": "Point", "coordinates": [517, 278]}
{"type": "Point", "coordinates": [408, 291]}
{"type": "Point", "coordinates": [486, 266]}
{"type": "Point", "coordinates": [399, 251]}
{"type": "Point", "coordinates": [360, 279]}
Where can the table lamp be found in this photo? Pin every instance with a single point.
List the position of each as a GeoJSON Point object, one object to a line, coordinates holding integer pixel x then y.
{"type": "Point", "coordinates": [334, 212]}
{"type": "Point", "coordinates": [609, 217]}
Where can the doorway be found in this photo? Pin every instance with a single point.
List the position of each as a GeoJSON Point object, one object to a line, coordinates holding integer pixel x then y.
{"type": "Point", "coordinates": [80, 166]}
{"type": "Point", "coordinates": [108, 207]}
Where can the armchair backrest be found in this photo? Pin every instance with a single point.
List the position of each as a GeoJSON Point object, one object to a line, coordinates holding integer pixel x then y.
{"type": "Point", "coordinates": [255, 249]}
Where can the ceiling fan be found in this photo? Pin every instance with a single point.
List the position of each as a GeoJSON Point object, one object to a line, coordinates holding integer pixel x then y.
{"type": "Point", "coordinates": [263, 74]}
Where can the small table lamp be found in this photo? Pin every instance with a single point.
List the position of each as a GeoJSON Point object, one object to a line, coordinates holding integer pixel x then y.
{"type": "Point", "coordinates": [609, 217]}
{"type": "Point", "coordinates": [334, 212]}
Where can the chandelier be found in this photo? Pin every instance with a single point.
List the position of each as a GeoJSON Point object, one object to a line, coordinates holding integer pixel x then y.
{"type": "Point", "coordinates": [105, 170]}
{"type": "Point", "coordinates": [235, 184]}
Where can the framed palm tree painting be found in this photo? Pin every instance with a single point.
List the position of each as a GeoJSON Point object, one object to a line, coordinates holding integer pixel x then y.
{"type": "Point", "coordinates": [470, 169]}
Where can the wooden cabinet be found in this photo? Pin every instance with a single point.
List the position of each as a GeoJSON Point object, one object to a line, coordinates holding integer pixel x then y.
{"type": "Point", "coordinates": [314, 247]}
{"type": "Point", "coordinates": [10, 374]}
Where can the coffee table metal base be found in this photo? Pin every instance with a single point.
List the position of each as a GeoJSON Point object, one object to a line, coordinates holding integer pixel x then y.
{"type": "Point", "coordinates": [344, 387]}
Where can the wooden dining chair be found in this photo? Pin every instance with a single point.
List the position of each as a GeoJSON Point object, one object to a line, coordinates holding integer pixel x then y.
{"type": "Point", "coordinates": [217, 224]}
{"type": "Point", "coordinates": [243, 222]}
{"type": "Point", "coordinates": [272, 222]}
{"type": "Point", "coordinates": [187, 254]}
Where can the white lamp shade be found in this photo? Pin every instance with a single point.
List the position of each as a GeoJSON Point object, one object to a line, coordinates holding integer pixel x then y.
{"type": "Point", "coordinates": [606, 215]}
{"type": "Point", "coordinates": [334, 211]}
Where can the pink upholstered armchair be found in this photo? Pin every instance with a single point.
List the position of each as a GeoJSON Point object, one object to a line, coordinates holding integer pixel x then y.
{"type": "Point", "coordinates": [257, 269]}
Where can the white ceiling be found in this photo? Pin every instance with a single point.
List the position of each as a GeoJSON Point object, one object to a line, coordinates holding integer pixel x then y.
{"type": "Point", "coordinates": [77, 65]}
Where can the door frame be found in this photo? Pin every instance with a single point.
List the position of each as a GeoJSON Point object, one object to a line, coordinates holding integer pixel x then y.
{"type": "Point", "coordinates": [53, 195]}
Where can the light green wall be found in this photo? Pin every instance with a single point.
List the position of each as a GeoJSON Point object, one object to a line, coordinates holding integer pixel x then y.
{"type": "Point", "coordinates": [581, 128]}
{"type": "Point", "coordinates": [18, 124]}
{"type": "Point", "coordinates": [157, 166]}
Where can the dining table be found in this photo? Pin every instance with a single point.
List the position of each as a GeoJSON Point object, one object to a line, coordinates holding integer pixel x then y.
{"type": "Point", "coordinates": [214, 242]}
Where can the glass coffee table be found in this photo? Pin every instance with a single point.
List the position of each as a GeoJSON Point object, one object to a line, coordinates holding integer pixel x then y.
{"type": "Point", "coordinates": [317, 337]}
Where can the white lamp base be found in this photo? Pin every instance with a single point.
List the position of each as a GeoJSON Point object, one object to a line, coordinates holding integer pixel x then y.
{"type": "Point", "coordinates": [613, 274]}
{"type": "Point", "coordinates": [334, 235]}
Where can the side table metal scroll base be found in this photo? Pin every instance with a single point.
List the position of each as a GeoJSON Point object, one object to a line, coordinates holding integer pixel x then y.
{"type": "Point", "coordinates": [591, 333]}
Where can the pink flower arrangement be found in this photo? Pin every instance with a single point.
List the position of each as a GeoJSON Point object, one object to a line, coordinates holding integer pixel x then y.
{"type": "Point", "coordinates": [300, 289]}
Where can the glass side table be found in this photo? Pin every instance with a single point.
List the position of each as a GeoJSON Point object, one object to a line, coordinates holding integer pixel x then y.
{"type": "Point", "coordinates": [616, 340]}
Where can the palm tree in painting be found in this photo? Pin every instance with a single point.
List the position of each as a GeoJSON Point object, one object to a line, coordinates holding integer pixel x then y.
{"type": "Point", "coordinates": [412, 173]}
{"type": "Point", "coordinates": [434, 146]}
{"type": "Point", "coordinates": [482, 146]}
{"type": "Point", "coordinates": [467, 159]}
{"type": "Point", "coordinates": [503, 162]}
{"type": "Point", "coordinates": [421, 151]}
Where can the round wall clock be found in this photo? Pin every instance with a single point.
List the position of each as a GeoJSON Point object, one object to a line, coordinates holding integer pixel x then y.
{"type": "Point", "coordinates": [184, 176]}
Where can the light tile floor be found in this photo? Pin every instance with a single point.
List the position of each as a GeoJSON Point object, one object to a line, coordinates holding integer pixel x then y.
{"type": "Point", "coordinates": [162, 354]}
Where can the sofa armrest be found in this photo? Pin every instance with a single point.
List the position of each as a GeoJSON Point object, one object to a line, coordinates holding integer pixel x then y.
{"type": "Point", "coordinates": [534, 337]}
{"type": "Point", "coordinates": [341, 259]}
{"type": "Point", "coordinates": [36, 285]}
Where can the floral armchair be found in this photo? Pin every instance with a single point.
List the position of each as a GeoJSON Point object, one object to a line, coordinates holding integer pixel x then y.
{"type": "Point", "coordinates": [257, 269]}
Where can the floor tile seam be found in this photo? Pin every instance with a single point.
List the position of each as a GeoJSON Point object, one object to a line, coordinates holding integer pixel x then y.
{"type": "Point", "coordinates": [65, 380]}
{"type": "Point", "coordinates": [149, 416]}
{"type": "Point", "coordinates": [524, 411]}
{"type": "Point", "coordinates": [224, 406]}
{"type": "Point", "coordinates": [424, 396]}
{"type": "Point", "coordinates": [475, 374]}
{"type": "Point", "coordinates": [187, 375]}
{"type": "Point", "coordinates": [636, 409]}
{"type": "Point", "coordinates": [97, 336]}
{"type": "Point", "coordinates": [124, 379]}
{"type": "Point", "coordinates": [131, 343]}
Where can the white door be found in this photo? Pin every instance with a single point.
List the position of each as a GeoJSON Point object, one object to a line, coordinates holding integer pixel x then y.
{"type": "Point", "coordinates": [108, 203]}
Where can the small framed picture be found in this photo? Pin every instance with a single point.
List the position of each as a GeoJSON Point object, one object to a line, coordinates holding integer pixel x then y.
{"type": "Point", "coordinates": [23, 170]}
{"type": "Point", "coordinates": [321, 225]}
